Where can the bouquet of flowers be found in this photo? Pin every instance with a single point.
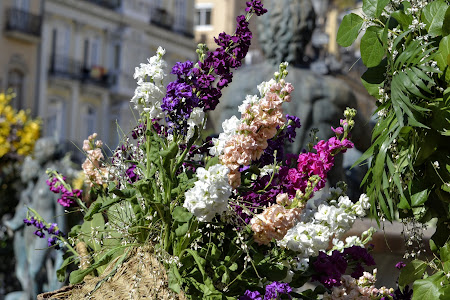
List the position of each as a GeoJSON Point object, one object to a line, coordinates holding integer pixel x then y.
{"type": "Point", "coordinates": [231, 217]}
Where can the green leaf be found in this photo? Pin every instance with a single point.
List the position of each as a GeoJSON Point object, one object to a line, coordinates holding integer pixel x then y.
{"type": "Point", "coordinates": [446, 23]}
{"type": "Point", "coordinates": [428, 288]}
{"type": "Point", "coordinates": [443, 56]}
{"type": "Point", "coordinates": [372, 51]}
{"type": "Point", "coordinates": [97, 224]}
{"type": "Point", "coordinates": [373, 78]}
{"type": "Point", "coordinates": [433, 16]}
{"type": "Point", "coordinates": [402, 18]}
{"type": "Point", "coordinates": [93, 209]}
{"type": "Point", "coordinates": [78, 275]}
{"type": "Point", "coordinates": [125, 193]}
{"type": "Point", "coordinates": [374, 8]}
{"type": "Point", "coordinates": [174, 279]}
{"type": "Point", "coordinates": [181, 214]}
{"type": "Point", "coordinates": [419, 198]}
{"type": "Point", "coordinates": [444, 252]}
{"type": "Point", "coordinates": [412, 272]}
{"type": "Point", "coordinates": [61, 272]}
{"type": "Point", "coordinates": [182, 229]}
{"type": "Point", "coordinates": [349, 29]}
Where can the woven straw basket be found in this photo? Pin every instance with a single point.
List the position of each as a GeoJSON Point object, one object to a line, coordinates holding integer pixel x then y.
{"type": "Point", "coordinates": [141, 276]}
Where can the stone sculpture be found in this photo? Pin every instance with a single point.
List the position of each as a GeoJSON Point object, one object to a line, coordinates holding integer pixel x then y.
{"type": "Point", "coordinates": [318, 100]}
{"type": "Point", "coordinates": [36, 264]}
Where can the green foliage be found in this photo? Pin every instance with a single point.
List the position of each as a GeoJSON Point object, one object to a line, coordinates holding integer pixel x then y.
{"type": "Point", "coordinates": [374, 8]}
{"type": "Point", "coordinates": [429, 288]}
{"type": "Point", "coordinates": [349, 29]}
{"type": "Point", "coordinates": [371, 39]}
{"type": "Point", "coordinates": [408, 56]}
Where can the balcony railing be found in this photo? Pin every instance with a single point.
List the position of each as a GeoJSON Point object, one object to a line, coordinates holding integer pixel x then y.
{"type": "Point", "coordinates": [110, 4]}
{"type": "Point", "coordinates": [66, 67]}
{"type": "Point", "coordinates": [23, 21]}
{"type": "Point", "coordinates": [162, 18]}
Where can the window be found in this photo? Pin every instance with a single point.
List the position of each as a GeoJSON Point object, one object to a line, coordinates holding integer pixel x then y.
{"type": "Point", "coordinates": [56, 119]}
{"type": "Point", "coordinates": [116, 57]}
{"type": "Point", "coordinates": [180, 13]}
{"type": "Point", "coordinates": [203, 12]}
{"type": "Point", "coordinates": [22, 4]}
{"type": "Point", "coordinates": [15, 82]}
{"type": "Point", "coordinates": [89, 120]}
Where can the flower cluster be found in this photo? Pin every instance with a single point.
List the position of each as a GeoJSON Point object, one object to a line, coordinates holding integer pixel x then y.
{"type": "Point", "coordinates": [194, 87]}
{"type": "Point", "coordinates": [259, 122]}
{"type": "Point", "coordinates": [68, 195]}
{"type": "Point", "coordinates": [210, 194]}
{"type": "Point", "coordinates": [321, 223]}
{"type": "Point", "coordinates": [150, 90]}
{"type": "Point", "coordinates": [18, 133]}
{"type": "Point", "coordinates": [359, 288]}
{"type": "Point", "coordinates": [255, 6]}
{"type": "Point", "coordinates": [330, 268]}
{"type": "Point", "coordinates": [95, 172]}
{"type": "Point", "coordinates": [52, 229]}
{"type": "Point", "coordinates": [275, 221]}
{"type": "Point", "coordinates": [273, 291]}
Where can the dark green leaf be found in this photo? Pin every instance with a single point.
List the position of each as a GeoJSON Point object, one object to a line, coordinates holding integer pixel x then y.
{"type": "Point", "coordinates": [61, 272]}
{"type": "Point", "coordinates": [349, 29]}
{"type": "Point", "coordinates": [93, 209]}
{"type": "Point", "coordinates": [374, 8]}
{"type": "Point", "coordinates": [372, 51]}
{"type": "Point", "coordinates": [78, 275]}
{"type": "Point", "coordinates": [446, 23]}
{"type": "Point", "coordinates": [402, 18]}
{"type": "Point", "coordinates": [125, 193]}
{"type": "Point", "coordinates": [373, 78]}
{"type": "Point", "coordinates": [413, 271]}
{"type": "Point", "coordinates": [428, 288]}
{"type": "Point", "coordinates": [433, 16]}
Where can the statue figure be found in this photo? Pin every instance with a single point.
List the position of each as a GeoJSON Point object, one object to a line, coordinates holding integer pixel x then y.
{"type": "Point", "coordinates": [318, 100]}
{"type": "Point", "coordinates": [36, 264]}
{"type": "Point", "coordinates": [286, 30]}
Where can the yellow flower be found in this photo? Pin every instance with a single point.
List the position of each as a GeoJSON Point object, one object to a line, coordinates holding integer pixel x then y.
{"type": "Point", "coordinates": [25, 133]}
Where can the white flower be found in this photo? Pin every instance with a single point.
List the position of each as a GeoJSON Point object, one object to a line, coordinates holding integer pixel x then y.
{"type": "Point", "coordinates": [229, 127]}
{"type": "Point", "coordinates": [195, 119]}
{"type": "Point", "coordinates": [249, 101]}
{"type": "Point", "coordinates": [264, 87]}
{"type": "Point", "coordinates": [150, 90]}
{"type": "Point", "coordinates": [344, 202]}
{"type": "Point", "coordinates": [210, 193]}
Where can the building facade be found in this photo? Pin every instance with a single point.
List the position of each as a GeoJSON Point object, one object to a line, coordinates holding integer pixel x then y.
{"type": "Point", "coordinates": [75, 70]}
{"type": "Point", "coordinates": [215, 16]}
{"type": "Point", "coordinates": [89, 52]}
{"type": "Point", "coordinates": [20, 38]}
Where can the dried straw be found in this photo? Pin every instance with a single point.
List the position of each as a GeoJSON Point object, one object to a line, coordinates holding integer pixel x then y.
{"type": "Point", "coordinates": [140, 276]}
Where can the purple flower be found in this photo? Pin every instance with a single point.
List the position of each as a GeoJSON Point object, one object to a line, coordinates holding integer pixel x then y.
{"type": "Point", "coordinates": [132, 176]}
{"type": "Point", "coordinates": [39, 233]}
{"type": "Point", "coordinates": [361, 254]}
{"type": "Point", "coordinates": [329, 268]}
{"type": "Point", "coordinates": [30, 221]}
{"type": "Point", "coordinates": [400, 265]}
{"type": "Point", "coordinates": [249, 295]}
{"type": "Point", "coordinates": [51, 241]}
{"type": "Point", "coordinates": [275, 289]}
{"type": "Point", "coordinates": [256, 6]}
